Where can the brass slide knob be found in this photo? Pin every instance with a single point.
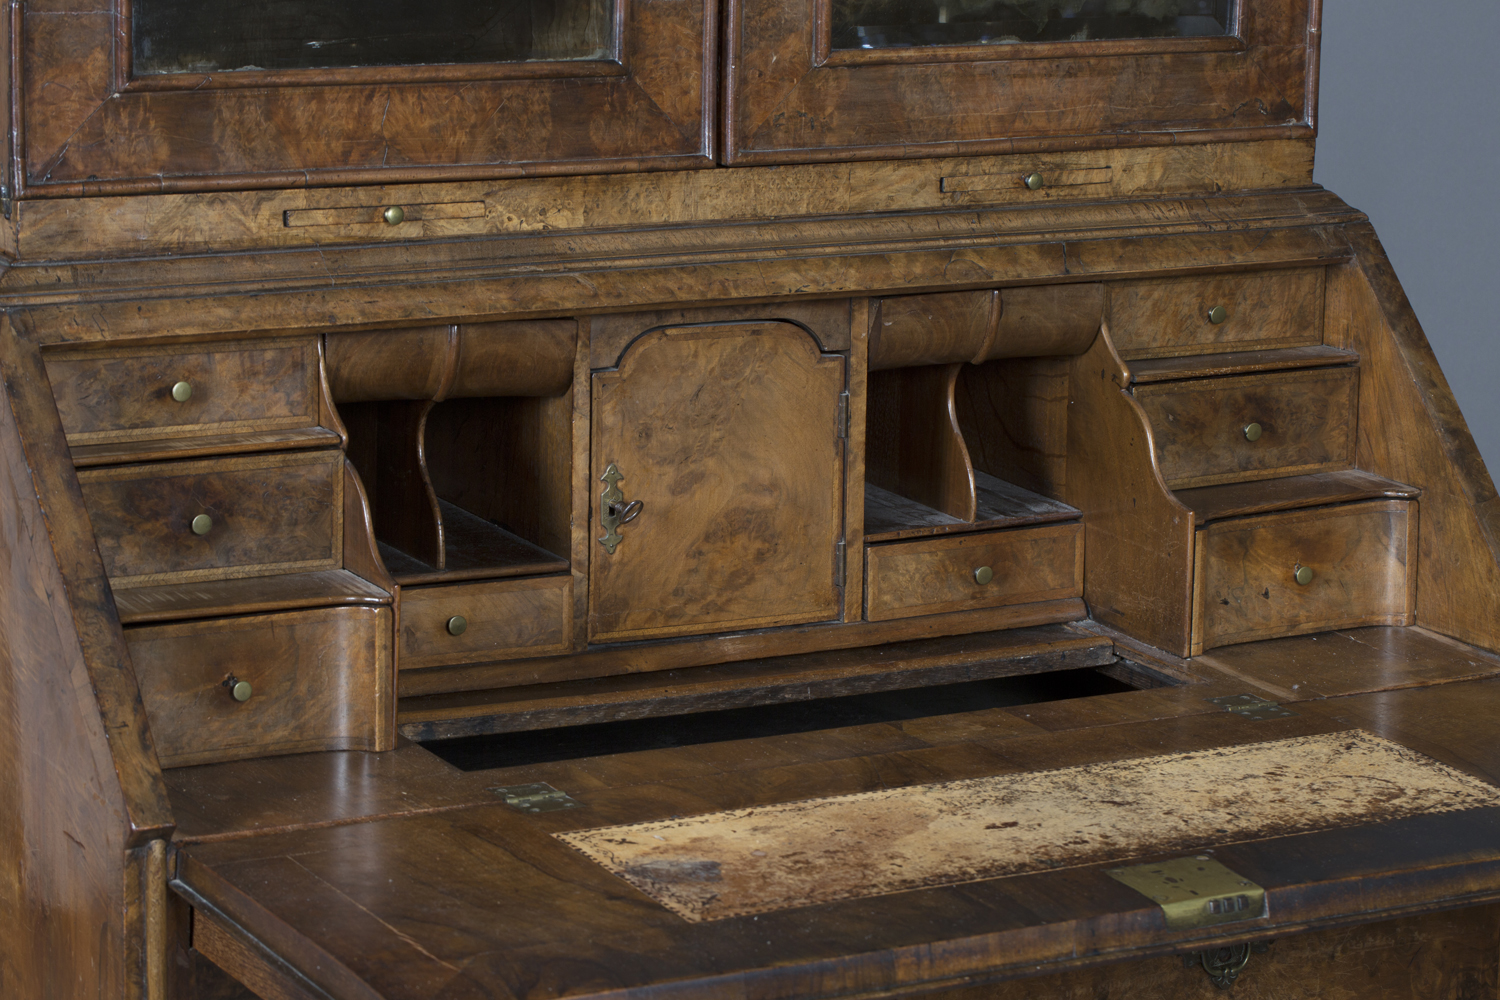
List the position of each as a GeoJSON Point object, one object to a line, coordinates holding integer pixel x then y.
{"type": "Point", "coordinates": [1303, 575]}
{"type": "Point", "coordinates": [983, 575]}
{"type": "Point", "coordinates": [238, 689]}
{"type": "Point", "coordinates": [394, 216]}
{"type": "Point", "coordinates": [458, 625]}
{"type": "Point", "coordinates": [202, 524]}
{"type": "Point", "coordinates": [1252, 432]}
{"type": "Point", "coordinates": [1217, 315]}
{"type": "Point", "coordinates": [182, 392]}
{"type": "Point", "coordinates": [1033, 181]}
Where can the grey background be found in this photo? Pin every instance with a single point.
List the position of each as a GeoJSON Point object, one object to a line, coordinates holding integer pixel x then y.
{"type": "Point", "coordinates": [1409, 133]}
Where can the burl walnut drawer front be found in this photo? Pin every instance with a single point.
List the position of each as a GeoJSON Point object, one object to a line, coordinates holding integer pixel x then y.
{"type": "Point", "coordinates": [1304, 571]}
{"type": "Point", "coordinates": [472, 622]}
{"type": "Point", "coordinates": [266, 684]}
{"type": "Point", "coordinates": [966, 572]}
{"type": "Point", "coordinates": [1226, 430]}
{"type": "Point", "coordinates": [1170, 317]}
{"type": "Point", "coordinates": [219, 519]}
{"type": "Point", "coordinates": [140, 393]}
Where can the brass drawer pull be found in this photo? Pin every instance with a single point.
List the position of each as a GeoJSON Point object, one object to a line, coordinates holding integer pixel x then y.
{"type": "Point", "coordinates": [1302, 574]}
{"type": "Point", "coordinates": [458, 625]}
{"type": "Point", "coordinates": [983, 575]}
{"type": "Point", "coordinates": [394, 216]}
{"type": "Point", "coordinates": [1217, 315]}
{"type": "Point", "coordinates": [238, 690]}
{"type": "Point", "coordinates": [614, 509]}
{"type": "Point", "coordinates": [202, 524]}
{"type": "Point", "coordinates": [1252, 432]}
{"type": "Point", "coordinates": [182, 391]}
{"type": "Point", "coordinates": [1033, 181]}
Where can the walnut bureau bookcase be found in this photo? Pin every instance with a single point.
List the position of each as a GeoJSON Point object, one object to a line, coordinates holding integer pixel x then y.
{"type": "Point", "coordinates": [385, 387]}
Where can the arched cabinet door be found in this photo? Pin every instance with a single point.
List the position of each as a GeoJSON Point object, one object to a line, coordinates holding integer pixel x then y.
{"type": "Point", "coordinates": [718, 469]}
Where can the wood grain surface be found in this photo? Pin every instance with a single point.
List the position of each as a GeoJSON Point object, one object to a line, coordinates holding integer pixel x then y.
{"type": "Point", "coordinates": [503, 620]}
{"type": "Point", "coordinates": [1169, 317]}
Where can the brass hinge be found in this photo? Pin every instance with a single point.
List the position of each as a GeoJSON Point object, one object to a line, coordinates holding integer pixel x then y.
{"type": "Point", "coordinates": [1195, 892]}
{"type": "Point", "coordinates": [1251, 706]}
{"type": "Point", "coordinates": [539, 797]}
{"type": "Point", "coordinates": [840, 562]}
{"type": "Point", "coordinates": [843, 415]}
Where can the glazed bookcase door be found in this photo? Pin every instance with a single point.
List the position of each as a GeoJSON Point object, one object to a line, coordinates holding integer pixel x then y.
{"type": "Point", "coordinates": [727, 436]}
{"type": "Point", "coordinates": [103, 112]}
{"type": "Point", "coordinates": [810, 80]}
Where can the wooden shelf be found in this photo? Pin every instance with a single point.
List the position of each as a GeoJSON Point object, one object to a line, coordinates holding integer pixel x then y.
{"type": "Point", "coordinates": [177, 601]}
{"type": "Point", "coordinates": [473, 549]}
{"type": "Point", "coordinates": [1214, 503]}
{"type": "Point", "coordinates": [1237, 363]}
{"type": "Point", "coordinates": [158, 449]}
{"type": "Point", "coordinates": [890, 516]}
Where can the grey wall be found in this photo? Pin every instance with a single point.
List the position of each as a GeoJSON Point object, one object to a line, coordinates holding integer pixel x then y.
{"type": "Point", "coordinates": [1409, 133]}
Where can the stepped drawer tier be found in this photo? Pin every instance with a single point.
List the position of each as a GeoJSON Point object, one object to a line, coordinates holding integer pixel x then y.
{"type": "Point", "coordinates": [1227, 430]}
{"type": "Point", "coordinates": [1304, 571]}
{"type": "Point", "coordinates": [218, 519]}
{"type": "Point", "coordinates": [966, 572]}
{"type": "Point", "coordinates": [472, 622]}
{"type": "Point", "coordinates": [295, 682]}
{"type": "Point", "coordinates": [132, 394]}
{"type": "Point", "coordinates": [1167, 317]}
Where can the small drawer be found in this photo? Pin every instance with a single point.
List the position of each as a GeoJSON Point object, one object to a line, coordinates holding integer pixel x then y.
{"type": "Point", "coordinates": [498, 620]}
{"type": "Point", "coordinates": [1352, 560]}
{"type": "Point", "coordinates": [936, 575]}
{"type": "Point", "coordinates": [1170, 317]}
{"type": "Point", "coordinates": [265, 514]}
{"type": "Point", "coordinates": [316, 680]}
{"type": "Point", "coordinates": [1229, 430]}
{"type": "Point", "coordinates": [127, 394]}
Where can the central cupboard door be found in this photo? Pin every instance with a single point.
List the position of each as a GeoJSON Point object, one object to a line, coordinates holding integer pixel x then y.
{"type": "Point", "coordinates": [729, 440]}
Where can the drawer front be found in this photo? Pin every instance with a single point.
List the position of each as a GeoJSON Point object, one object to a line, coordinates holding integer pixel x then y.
{"type": "Point", "coordinates": [1245, 577]}
{"type": "Point", "coordinates": [267, 514]}
{"type": "Point", "coordinates": [1228, 430]}
{"type": "Point", "coordinates": [939, 574]}
{"type": "Point", "coordinates": [319, 680]}
{"type": "Point", "coordinates": [1170, 317]}
{"type": "Point", "coordinates": [127, 395]}
{"type": "Point", "coordinates": [501, 620]}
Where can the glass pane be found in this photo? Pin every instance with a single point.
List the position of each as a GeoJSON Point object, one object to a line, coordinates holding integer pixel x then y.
{"type": "Point", "coordinates": [889, 24]}
{"type": "Point", "coordinates": [199, 36]}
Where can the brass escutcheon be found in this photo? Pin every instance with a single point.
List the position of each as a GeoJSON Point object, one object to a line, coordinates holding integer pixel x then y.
{"type": "Point", "coordinates": [983, 575]}
{"type": "Point", "coordinates": [182, 392]}
{"type": "Point", "coordinates": [1302, 574]}
{"type": "Point", "coordinates": [1252, 432]}
{"type": "Point", "coordinates": [1033, 181]}
{"type": "Point", "coordinates": [1217, 315]}
{"type": "Point", "coordinates": [614, 509]}
{"type": "Point", "coordinates": [458, 625]}
{"type": "Point", "coordinates": [394, 216]}
{"type": "Point", "coordinates": [202, 524]}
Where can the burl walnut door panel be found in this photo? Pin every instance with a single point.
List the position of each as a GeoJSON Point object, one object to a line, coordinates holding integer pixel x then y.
{"type": "Point", "coordinates": [728, 438]}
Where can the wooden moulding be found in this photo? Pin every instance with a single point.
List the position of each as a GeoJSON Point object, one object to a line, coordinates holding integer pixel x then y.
{"type": "Point", "coordinates": [984, 326]}
{"type": "Point", "coordinates": [531, 358]}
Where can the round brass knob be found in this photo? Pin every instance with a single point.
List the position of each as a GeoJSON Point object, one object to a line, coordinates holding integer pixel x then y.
{"type": "Point", "coordinates": [458, 625]}
{"type": "Point", "coordinates": [1252, 432]}
{"type": "Point", "coordinates": [1033, 181]}
{"type": "Point", "coordinates": [1217, 315]}
{"type": "Point", "coordinates": [1303, 575]}
{"type": "Point", "coordinates": [240, 690]}
{"type": "Point", "coordinates": [182, 392]}
{"type": "Point", "coordinates": [394, 216]}
{"type": "Point", "coordinates": [983, 575]}
{"type": "Point", "coordinates": [202, 524]}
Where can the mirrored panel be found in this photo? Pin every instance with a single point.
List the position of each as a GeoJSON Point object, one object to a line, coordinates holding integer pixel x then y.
{"type": "Point", "coordinates": [216, 36]}
{"type": "Point", "coordinates": [889, 24]}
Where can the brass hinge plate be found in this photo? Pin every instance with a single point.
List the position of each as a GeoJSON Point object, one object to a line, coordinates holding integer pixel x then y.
{"type": "Point", "coordinates": [1251, 706]}
{"type": "Point", "coordinates": [843, 415]}
{"type": "Point", "coordinates": [535, 798]}
{"type": "Point", "coordinates": [1195, 892]}
{"type": "Point", "coordinates": [840, 562]}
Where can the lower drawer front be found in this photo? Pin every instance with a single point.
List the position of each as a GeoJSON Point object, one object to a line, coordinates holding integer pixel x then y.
{"type": "Point", "coordinates": [935, 575]}
{"type": "Point", "coordinates": [318, 680]}
{"type": "Point", "coordinates": [1354, 567]}
{"type": "Point", "coordinates": [473, 622]}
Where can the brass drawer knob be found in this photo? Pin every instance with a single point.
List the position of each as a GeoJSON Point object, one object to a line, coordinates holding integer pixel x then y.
{"type": "Point", "coordinates": [238, 689]}
{"type": "Point", "coordinates": [1303, 575]}
{"type": "Point", "coordinates": [182, 391]}
{"type": "Point", "coordinates": [1033, 181]}
{"type": "Point", "coordinates": [1217, 315]}
{"type": "Point", "coordinates": [202, 524]}
{"type": "Point", "coordinates": [458, 625]}
{"type": "Point", "coordinates": [983, 575]}
{"type": "Point", "coordinates": [394, 216]}
{"type": "Point", "coordinates": [1252, 432]}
